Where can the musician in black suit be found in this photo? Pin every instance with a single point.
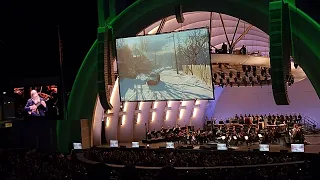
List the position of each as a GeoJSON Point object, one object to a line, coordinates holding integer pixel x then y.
{"type": "Point", "coordinates": [36, 106]}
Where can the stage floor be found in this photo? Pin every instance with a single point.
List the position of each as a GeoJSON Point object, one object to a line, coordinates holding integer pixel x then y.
{"type": "Point", "coordinates": [313, 147]}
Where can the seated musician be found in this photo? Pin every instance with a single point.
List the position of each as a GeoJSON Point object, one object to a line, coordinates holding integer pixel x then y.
{"type": "Point", "coordinates": [247, 120]}
{"type": "Point", "coordinates": [290, 118]}
{"type": "Point", "coordinates": [286, 117]}
{"type": "Point", "coordinates": [255, 120]}
{"type": "Point", "coordinates": [168, 130]}
{"type": "Point", "coordinates": [262, 117]}
{"type": "Point", "coordinates": [36, 106]}
{"type": "Point", "coordinates": [149, 135]}
{"type": "Point", "coordinates": [299, 118]}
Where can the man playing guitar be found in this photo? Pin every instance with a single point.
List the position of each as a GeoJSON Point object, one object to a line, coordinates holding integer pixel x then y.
{"type": "Point", "coordinates": [36, 106]}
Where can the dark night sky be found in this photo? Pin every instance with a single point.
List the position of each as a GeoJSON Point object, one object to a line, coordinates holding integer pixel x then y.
{"type": "Point", "coordinates": [28, 34]}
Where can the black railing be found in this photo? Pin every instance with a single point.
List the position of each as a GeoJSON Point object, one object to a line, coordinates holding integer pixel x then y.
{"type": "Point", "coordinates": [309, 123]}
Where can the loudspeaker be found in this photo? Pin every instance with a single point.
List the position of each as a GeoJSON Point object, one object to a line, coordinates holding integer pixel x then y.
{"type": "Point", "coordinates": [105, 51]}
{"type": "Point", "coordinates": [179, 14]}
{"type": "Point", "coordinates": [280, 50]}
{"type": "Point", "coordinates": [7, 110]}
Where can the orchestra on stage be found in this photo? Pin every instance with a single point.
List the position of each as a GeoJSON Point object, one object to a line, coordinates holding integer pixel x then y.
{"type": "Point", "coordinates": [236, 131]}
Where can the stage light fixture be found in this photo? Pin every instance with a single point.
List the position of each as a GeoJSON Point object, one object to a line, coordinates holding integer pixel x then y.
{"type": "Point", "coordinates": [254, 69]}
{"type": "Point", "coordinates": [244, 68]}
{"type": "Point", "coordinates": [215, 76]}
{"type": "Point", "coordinates": [221, 81]}
{"type": "Point", "coordinates": [230, 74]}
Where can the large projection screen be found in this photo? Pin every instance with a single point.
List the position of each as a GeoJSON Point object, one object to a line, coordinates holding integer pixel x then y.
{"type": "Point", "coordinates": [170, 66]}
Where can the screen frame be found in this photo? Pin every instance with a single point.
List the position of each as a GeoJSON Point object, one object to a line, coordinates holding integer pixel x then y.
{"type": "Point", "coordinates": [298, 151]}
{"type": "Point", "coordinates": [133, 143]}
{"type": "Point", "coordinates": [225, 145]}
{"type": "Point", "coordinates": [26, 89]}
{"type": "Point", "coordinates": [113, 146]}
{"type": "Point", "coordinates": [210, 64]}
{"type": "Point", "coordinates": [171, 143]}
{"type": "Point", "coordinates": [265, 145]}
{"type": "Point", "coordinates": [77, 144]}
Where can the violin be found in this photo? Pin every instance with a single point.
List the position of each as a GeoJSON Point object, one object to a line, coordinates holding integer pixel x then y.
{"type": "Point", "coordinates": [45, 96]}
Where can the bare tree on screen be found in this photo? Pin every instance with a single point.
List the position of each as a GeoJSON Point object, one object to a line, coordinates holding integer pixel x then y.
{"type": "Point", "coordinates": [132, 60]}
{"type": "Point", "coordinates": [124, 57]}
{"type": "Point", "coordinates": [194, 48]}
{"type": "Point", "coordinates": [141, 48]}
{"type": "Point", "coordinates": [144, 44]}
{"type": "Point", "coordinates": [120, 43]}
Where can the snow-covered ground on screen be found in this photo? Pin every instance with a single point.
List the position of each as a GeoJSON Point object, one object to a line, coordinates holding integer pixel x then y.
{"type": "Point", "coordinates": [172, 86]}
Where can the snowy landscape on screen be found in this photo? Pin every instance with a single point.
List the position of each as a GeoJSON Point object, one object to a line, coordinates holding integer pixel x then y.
{"type": "Point", "coordinates": [171, 66]}
{"type": "Point", "coordinates": [172, 86]}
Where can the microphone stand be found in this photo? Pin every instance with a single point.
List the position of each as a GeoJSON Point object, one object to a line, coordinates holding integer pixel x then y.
{"type": "Point", "coordinates": [62, 76]}
{"type": "Point", "coordinates": [145, 125]}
